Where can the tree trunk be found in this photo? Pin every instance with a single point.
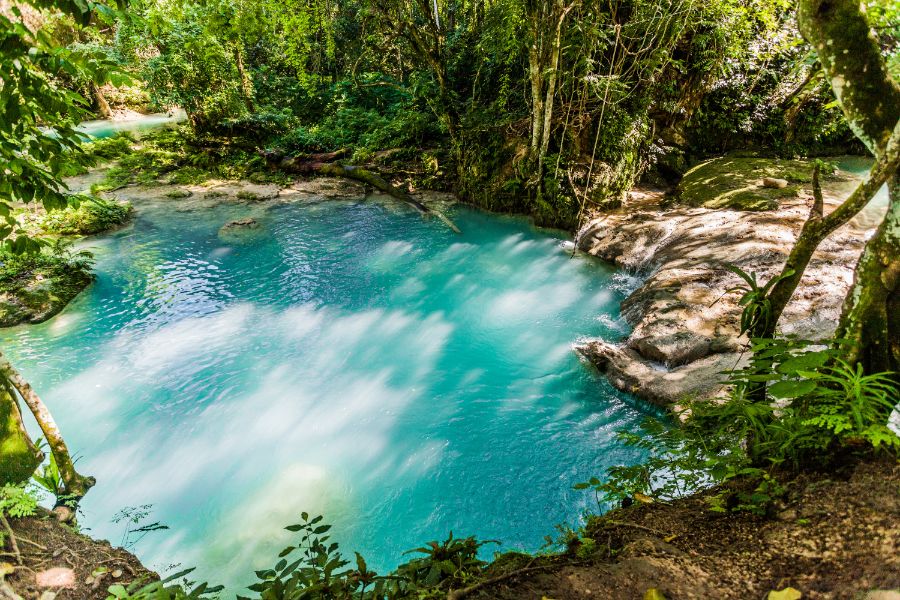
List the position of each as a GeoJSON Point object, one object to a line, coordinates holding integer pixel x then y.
{"type": "Point", "coordinates": [364, 176]}
{"type": "Point", "coordinates": [870, 99]}
{"type": "Point", "coordinates": [551, 83]}
{"type": "Point", "coordinates": [819, 226]}
{"type": "Point", "coordinates": [18, 454]}
{"type": "Point", "coordinates": [75, 485]}
{"type": "Point", "coordinates": [102, 104]}
{"type": "Point", "coordinates": [246, 82]}
{"type": "Point", "coordinates": [871, 315]}
{"type": "Point", "coordinates": [852, 61]}
{"type": "Point", "coordinates": [537, 96]}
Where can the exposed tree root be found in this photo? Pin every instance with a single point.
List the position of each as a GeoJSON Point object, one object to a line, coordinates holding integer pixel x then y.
{"type": "Point", "coordinates": [322, 164]}
{"type": "Point", "coordinates": [12, 539]}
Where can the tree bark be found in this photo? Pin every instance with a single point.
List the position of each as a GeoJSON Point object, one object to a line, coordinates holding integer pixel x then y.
{"type": "Point", "coordinates": [102, 104]}
{"type": "Point", "coordinates": [364, 176]}
{"type": "Point", "coordinates": [870, 320]}
{"type": "Point", "coordinates": [819, 226]}
{"type": "Point", "coordinates": [852, 61]}
{"type": "Point", "coordinates": [18, 455]}
{"type": "Point", "coordinates": [75, 485]}
{"type": "Point", "coordinates": [870, 99]}
{"type": "Point", "coordinates": [551, 82]}
{"type": "Point", "coordinates": [246, 82]}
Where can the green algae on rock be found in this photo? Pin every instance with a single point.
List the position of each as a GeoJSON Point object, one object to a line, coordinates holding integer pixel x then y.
{"type": "Point", "coordinates": [738, 183]}
{"type": "Point", "coordinates": [35, 287]}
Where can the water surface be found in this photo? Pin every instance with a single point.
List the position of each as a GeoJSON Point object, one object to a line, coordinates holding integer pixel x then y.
{"type": "Point", "coordinates": [350, 359]}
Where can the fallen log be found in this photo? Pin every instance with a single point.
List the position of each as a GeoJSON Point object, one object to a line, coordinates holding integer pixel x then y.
{"type": "Point", "coordinates": [312, 166]}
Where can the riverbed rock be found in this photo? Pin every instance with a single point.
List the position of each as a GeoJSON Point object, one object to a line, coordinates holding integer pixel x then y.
{"type": "Point", "coordinates": [744, 183]}
{"type": "Point", "coordinates": [631, 372]}
{"type": "Point", "coordinates": [239, 230]}
{"type": "Point", "coordinates": [329, 188]}
{"type": "Point", "coordinates": [686, 326]}
{"type": "Point", "coordinates": [40, 294]}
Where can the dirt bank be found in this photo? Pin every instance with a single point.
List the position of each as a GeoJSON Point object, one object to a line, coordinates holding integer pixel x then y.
{"type": "Point", "coordinates": [56, 562]}
{"type": "Point", "coordinates": [835, 535]}
{"type": "Point", "coordinates": [686, 325]}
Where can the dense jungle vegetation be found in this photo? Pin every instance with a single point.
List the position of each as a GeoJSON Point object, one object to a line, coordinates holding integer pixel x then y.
{"type": "Point", "coordinates": [550, 108]}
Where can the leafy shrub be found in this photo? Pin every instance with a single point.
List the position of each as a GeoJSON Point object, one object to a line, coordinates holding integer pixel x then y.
{"type": "Point", "coordinates": [93, 215]}
{"type": "Point", "coordinates": [817, 408]}
{"type": "Point", "coordinates": [313, 569]}
{"type": "Point", "coordinates": [319, 573]}
{"type": "Point", "coordinates": [55, 261]}
{"type": "Point", "coordinates": [16, 501]}
{"type": "Point", "coordinates": [363, 129]}
{"type": "Point", "coordinates": [96, 151]}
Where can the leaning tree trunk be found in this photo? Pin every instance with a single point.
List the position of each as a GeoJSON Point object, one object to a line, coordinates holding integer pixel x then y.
{"type": "Point", "coordinates": [246, 82]}
{"type": "Point", "coordinates": [75, 486]}
{"type": "Point", "coordinates": [102, 104]}
{"type": "Point", "coordinates": [852, 61]}
{"type": "Point", "coordinates": [819, 226]}
{"type": "Point", "coordinates": [318, 164]}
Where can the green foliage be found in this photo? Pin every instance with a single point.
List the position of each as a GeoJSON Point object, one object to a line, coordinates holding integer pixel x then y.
{"type": "Point", "coordinates": [56, 261]}
{"type": "Point", "coordinates": [817, 409]}
{"type": "Point", "coordinates": [757, 312]}
{"type": "Point", "coordinates": [136, 527]}
{"type": "Point", "coordinates": [16, 501]}
{"type": "Point", "coordinates": [314, 569]}
{"type": "Point", "coordinates": [48, 477]}
{"type": "Point", "coordinates": [181, 157]}
{"type": "Point", "coordinates": [38, 139]}
{"type": "Point", "coordinates": [174, 587]}
{"type": "Point", "coordinates": [90, 216]}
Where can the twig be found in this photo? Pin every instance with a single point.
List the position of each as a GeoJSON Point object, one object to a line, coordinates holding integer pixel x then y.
{"type": "Point", "coordinates": [12, 538]}
{"type": "Point", "coordinates": [636, 526]}
{"type": "Point", "coordinates": [462, 593]}
{"type": "Point", "coordinates": [35, 544]}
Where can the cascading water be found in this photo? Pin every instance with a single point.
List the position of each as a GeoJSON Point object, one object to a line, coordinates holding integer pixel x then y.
{"type": "Point", "coordinates": [349, 359]}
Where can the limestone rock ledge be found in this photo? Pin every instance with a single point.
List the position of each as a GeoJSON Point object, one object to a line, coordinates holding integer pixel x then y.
{"type": "Point", "coordinates": [686, 324]}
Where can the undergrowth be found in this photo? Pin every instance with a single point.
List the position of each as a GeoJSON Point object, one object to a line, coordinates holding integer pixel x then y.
{"type": "Point", "coordinates": [178, 156]}
{"type": "Point", "coordinates": [797, 405]}
{"type": "Point", "coordinates": [91, 215]}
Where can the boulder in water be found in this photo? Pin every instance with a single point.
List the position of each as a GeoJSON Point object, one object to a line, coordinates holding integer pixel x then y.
{"type": "Point", "coordinates": [239, 230]}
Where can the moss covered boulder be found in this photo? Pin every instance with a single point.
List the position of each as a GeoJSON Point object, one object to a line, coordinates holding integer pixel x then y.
{"type": "Point", "coordinates": [743, 183]}
{"type": "Point", "coordinates": [35, 287]}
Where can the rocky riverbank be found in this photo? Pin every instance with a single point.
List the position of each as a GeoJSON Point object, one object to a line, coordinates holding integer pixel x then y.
{"type": "Point", "coordinates": [686, 324]}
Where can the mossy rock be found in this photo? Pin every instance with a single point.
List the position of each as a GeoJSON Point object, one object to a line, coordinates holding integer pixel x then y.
{"type": "Point", "coordinates": [240, 231]}
{"type": "Point", "coordinates": [35, 288]}
{"type": "Point", "coordinates": [179, 194]}
{"type": "Point", "coordinates": [736, 183]}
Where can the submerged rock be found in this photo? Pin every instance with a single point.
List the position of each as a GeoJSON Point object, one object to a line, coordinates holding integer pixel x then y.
{"type": "Point", "coordinates": [39, 294]}
{"type": "Point", "coordinates": [774, 183]}
{"type": "Point", "coordinates": [239, 230]}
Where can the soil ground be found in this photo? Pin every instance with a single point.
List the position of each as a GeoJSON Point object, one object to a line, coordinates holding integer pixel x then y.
{"type": "Point", "coordinates": [57, 559]}
{"type": "Point", "coordinates": [834, 535]}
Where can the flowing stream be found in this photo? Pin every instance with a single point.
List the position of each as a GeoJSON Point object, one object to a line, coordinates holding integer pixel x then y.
{"type": "Point", "coordinates": [349, 359]}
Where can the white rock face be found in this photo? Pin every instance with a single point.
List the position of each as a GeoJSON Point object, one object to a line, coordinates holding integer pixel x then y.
{"type": "Point", "coordinates": [686, 325]}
